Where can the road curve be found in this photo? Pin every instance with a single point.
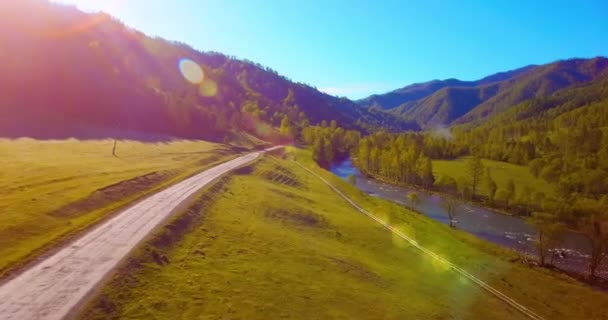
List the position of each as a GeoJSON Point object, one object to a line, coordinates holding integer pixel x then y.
{"type": "Point", "coordinates": [53, 288]}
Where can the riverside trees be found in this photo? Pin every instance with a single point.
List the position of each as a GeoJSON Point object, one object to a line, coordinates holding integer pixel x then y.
{"type": "Point", "coordinates": [331, 143]}
{"type": "Point", "coordinates": [398, 158]}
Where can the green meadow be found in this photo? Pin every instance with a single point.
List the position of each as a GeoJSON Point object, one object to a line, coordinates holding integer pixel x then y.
{"type": "Point", "coordinates": [501, 172]}
{"type": "Point", "coordinates": [271, 241]}
{"type": "Point", "coordinates": [49, 190]}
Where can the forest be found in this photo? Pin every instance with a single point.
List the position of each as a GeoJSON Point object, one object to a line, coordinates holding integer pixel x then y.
{"type": "Point", "coordinates": [561, 139]}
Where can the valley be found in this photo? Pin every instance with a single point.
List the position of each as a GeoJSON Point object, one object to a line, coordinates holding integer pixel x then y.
{"type": "Point", "coordinates": [278, 230]}
{"type": "Point", "coordinates": [408, 161]}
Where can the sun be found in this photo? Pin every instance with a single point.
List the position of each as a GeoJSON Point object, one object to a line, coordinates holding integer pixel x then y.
{"type": "Point", "coordinates": [109, 6]}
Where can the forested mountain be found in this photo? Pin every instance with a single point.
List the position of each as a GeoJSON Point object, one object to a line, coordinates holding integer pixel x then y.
{"type": "Point", "coordinates": [68, 73]}
{"type": "Point", "coordinates": [458, 102]}
{"type": "Point", "coordinates": [563, 138]}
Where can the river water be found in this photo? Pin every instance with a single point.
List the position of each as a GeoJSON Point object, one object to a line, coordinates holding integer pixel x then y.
{"type": "Point", "coordinates": [505, 230]}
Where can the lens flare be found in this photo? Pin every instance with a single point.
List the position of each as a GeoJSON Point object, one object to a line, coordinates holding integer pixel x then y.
{"type": "Point", "coordinates": [403, 228]}
{"type": "Point", "coordinates": [208, 88]}
{"type": "Point", "coordinates": [191, 71]}
{"type": "Point", "coordinates": [262, 129]}
{"type": "Point", "coordinates": [439, 263]}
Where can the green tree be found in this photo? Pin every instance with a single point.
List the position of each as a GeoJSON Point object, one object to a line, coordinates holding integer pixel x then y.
{"type": "Point", "coordinates": [286, 128]}
{"type": "Point", "coordinates": [328, 151]}
{"type": "Point", "coordinates": [464, 189]}
{"type": "Point", "coordinates": [446, 183]}
{"type": "Point", "coordinates": [536, 166]}
{"type": "Point", "coordinates": [450, 206]}
{"type": "Point", "coordinates": [510, 195]}
{"type": "Point", "coordinates": [594, 226]}
{"type": "Point", "coordinates": [491, 186]}
{"type": "Point", "coordinates": [352, 179]}
{"type": "Point", "coordinates": [413, 199]}
{"type": "Point", "coordinates": [475, 171]}
{"type": "Point", "coordinates": [318, 151]}
{"type": "Point", "coordinates": [549, 233]}
{"type": "Point", "coordinates": [424, 168]}
{"type": "Point", "coordinates": [502, 195]}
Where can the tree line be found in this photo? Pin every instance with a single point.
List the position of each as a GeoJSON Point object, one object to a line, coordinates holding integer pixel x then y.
{"type": "Point", "coordinates": [329, 143]}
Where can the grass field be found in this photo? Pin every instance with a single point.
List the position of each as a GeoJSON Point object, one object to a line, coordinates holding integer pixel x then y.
{"type": "Point", "coordinates": [50, 189]}
{"type": "Point", "coordinates": [501, 172]}
{"type": "Point", "coordinates": [272, 241]}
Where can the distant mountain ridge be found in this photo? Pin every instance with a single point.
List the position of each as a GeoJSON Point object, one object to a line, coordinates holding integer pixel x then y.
{"type": "Point", "coordinates": [452, 101]}
{"type": "Point", "coordinates": [417, 91]}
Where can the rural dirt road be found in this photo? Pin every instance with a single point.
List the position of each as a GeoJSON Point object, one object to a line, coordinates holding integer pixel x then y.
{"type": "Point", "coordinates": [53, 288]}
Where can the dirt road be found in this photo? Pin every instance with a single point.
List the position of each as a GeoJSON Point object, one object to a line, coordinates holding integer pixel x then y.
{"type": "Point", "coordinates": [53, 288]}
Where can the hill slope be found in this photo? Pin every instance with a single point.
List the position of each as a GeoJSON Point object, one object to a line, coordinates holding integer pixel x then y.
{"type": "Point", "coordinates": [67, 73]}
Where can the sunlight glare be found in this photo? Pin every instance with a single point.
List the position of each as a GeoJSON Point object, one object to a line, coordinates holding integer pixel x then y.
{"type": "Point", "coordinates": [208, 88]}
{"type": "Point", "coordinates": [405, 229]}
{"type": "Point", "coordinates": [191, 71]}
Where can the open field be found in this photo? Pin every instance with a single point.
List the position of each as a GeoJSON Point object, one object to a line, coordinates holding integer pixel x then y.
{"type": "Point", "coordinates": [501, 172]}
{"type": "Point", "coordinates": [50, 189]}
{"type": "Point", "coordinates": [273, 241]}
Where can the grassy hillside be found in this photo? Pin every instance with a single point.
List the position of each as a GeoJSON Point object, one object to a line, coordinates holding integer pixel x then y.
{"type": "Point", "coordinates": [54, 188]}
{"type": "Point", "coordinates": [95, 77]}
{"type": "Point", "coordinates": [501, 172]}
{"type": "Point", "coordinates": [273, 241]}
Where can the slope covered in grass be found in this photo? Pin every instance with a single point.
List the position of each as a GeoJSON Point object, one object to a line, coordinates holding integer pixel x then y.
{"type": "Point", "coordinates": [272, 241]}
{"type": "Point", "coordinates": [52, 188]}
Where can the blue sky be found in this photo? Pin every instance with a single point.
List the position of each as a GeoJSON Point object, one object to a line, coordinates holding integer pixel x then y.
{"type": "Point", "coordinates": [356, 48]}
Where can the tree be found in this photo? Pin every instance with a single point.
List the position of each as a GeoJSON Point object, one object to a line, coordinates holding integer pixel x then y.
{"type": "Point", "coordinates": [536, 166]}
{"type": "Point", "coordinates": [446, 183]}
{"type": "Point", "coordinates": [464, 189]}
{"type": "Point", "coordinates": [549, 233]}
{"type": "Point", "coordinates": [318, 151]}
{"type": "Point", "coordinates": [114, 148]}
{"type": "Point", "coordinates": [424, 168]}
{"type": "Point", "coordinates": [524, 199]}
{"type": "Point", "coordinates": [450, 205]}
{"type": "Point", "coordinates": [413, 199]}
{"type": "Point", "coordinates": [328, 150]}
{"type": "Point", "coordinates": [475, 172]}
{"type": "Point", "coordinates": [491, 186]}
{"type": "Point", "coordinates": [286, 128]}
{"type": "Point", "coordinates": [352, 179]}
{"type": "Point", "coordinates": [594, 226]}
{"type": "Point", "coordinates": [510, 192]}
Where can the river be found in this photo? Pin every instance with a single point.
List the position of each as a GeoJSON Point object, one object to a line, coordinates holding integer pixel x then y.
{"type": "Point", "coordinates": [499, 228]}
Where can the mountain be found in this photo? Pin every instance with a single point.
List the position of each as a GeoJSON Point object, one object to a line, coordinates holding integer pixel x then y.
{"type": "Point", "coordinates": [66, 73]}
{"type": "Point", "coordinates": [458, 102]}
{"type": "Point", "coordinates": [417, 91]}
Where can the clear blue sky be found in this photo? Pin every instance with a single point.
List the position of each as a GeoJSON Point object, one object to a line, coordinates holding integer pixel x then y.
{"type": "Point", "coordinates": [356, 48]}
